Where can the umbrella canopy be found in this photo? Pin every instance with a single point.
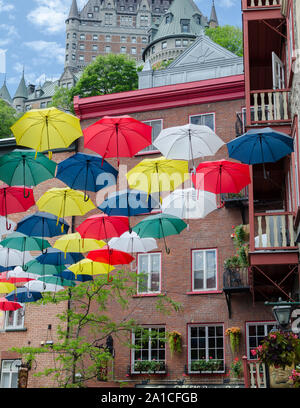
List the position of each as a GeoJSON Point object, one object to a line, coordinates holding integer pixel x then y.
{"type": "Point", "coordinates": [21, 242]}
{"type": "Point", "coordinates": [189, 204]}
{"type": "Point", "coordinates": [71, 276]}
{"type": "Point", "coordinates": [160, 226]}
{"type": "Point", "coordinates": [14, 200]}
{"type": "Point", "coordinates": [13, 257]}
{"type": "Point", "coordinates": [57, 257]}
{"type": "Point", "coordinates": [64, 202]}
{"type": "Point", "coordinates": [110, 256]}
{"type": "Point", "coordinates": [89, 267]}
{"type": "Point", "coordinates": [120, 136]}
{"type": "Point", "coordinates": [21, 167]}
{"type": "Point", "coordinates": [39, 286]}
{"type": "Point", "coordinates": [188, 142]}
{"type": "Point", "coordinates": [86, 172]}
{"type": "Point", "coordinates": [260, 146]}
{"type": "Point", "coordinates": [34, 267]}
{"type": "Point", "coordinates": [16, 276]}
{"type": "Point", "coordinates": [157, 175]}
{"type": "Point", "coordinates": [46, 129]}
{"type": "Point", "coordinates": [4, 222]}
{"type": "Point", "coordinates": [56, 280]}
{"type": "Point", "coordinates": [74, 243]}
{"type": "Point", "coordinates": [42, 224]}
{"type": "Point", "coordinates": [23, 295]}
{"type": "Point", "coordinates": [221, 177]}
{"type": "Point", "coordinates": [6, 287]}
{"type": "Point", "coordinates": [7, 305]}
{"type": "Point", "coordinates": [103, 227]}
{"type": "Point", "coordinates": [132, 243]}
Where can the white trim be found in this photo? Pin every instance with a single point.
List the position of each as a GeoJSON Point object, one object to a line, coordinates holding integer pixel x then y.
{"type": "Point", "coordinates": [204, 270]}
{"type": "Point", "coordinates": [150, 274]}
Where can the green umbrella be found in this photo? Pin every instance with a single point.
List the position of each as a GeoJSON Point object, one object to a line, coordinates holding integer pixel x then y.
{"type": "Point", "coordinates": [37, 268]}
{"type": "Point", "coordinates": [160, 226]}
{"type": "Point", "coordinates": [22, 242]}
{"type": "Point", "coordinates": [56, 280]}
{"type": "Point", "coordinates": [20, 167]}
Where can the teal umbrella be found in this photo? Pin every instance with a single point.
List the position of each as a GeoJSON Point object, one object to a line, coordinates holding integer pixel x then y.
{"type": "Point", "coordinates": [160, 226]}
{"type": "Point", "coordinates": [22, 242]}
{"type": "Point", "coordinates": [57, 280]}
{"type": "Point", "coordinates": [37, 268]}
{"type": "Point", "coordinates": [22, 168]}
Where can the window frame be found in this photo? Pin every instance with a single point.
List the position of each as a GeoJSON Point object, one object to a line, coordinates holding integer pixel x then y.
{"type": "Point", "coordinates": [149, 292]}
{"type": "Point", "coordinates": [205, 114]}
{"type": "Point", "coordinates": [256, 323]}
{"type": "Point", "coordinates": [10, 371]}
{"type": "Point", "coordinates": [154, 150]}
{"type": "Point", "coordinates": [15, 326]}
{"type": "Point", "coordinates": [205, 289]}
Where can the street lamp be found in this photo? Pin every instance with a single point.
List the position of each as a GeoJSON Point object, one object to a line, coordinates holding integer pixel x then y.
{"type": "Point", "coordinates": [282, 312]}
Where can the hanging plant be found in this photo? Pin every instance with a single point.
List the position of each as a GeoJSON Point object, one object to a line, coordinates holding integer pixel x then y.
{"type": "Point", "coordinates": [175, 341]}
{"type": "Point", "coordinates": [234, 334]}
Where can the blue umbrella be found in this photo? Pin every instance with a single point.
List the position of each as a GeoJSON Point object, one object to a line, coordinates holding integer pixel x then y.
{"type": "Point", "coordinates": [86, 172]}
{"type": "Point", "coordinates": [71, 276]}
{"type": "Point", "coordinates": [260, 146]}
{"type": "Point", "coordinates": [57, 257]}
{"type": "Point", "coordinates": [23, 295]}
{"type": "Point", "coordinates": [42, 224]}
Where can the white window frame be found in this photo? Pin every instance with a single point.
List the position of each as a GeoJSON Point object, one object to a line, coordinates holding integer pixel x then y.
{"type": "Point", "coordinates": [204, 251]}
{"type": "Point", "coordinates": [207, 356]}
{"type": "Point", "coordinates": [150, 274]}
{"type": "Point", "coordinates": [152, 148]}
{"type": "Point", "coordinates": [15, 326]}
{"type": "Point", "coordinates": [108, 49]}
{"type": "Point", "coordinates": [13, 369]}
{"type": "Point", "coordinates": [203, 115]}
{"type": "Point", "coordinates": [266, 331]}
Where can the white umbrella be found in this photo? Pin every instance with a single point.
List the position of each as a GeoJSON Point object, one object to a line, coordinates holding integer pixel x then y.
{"type": "Point", "coordinates": [3, 223]}
{"type": "Point", "coordinates": [188, 142]}
{"type": "Point", "coordinates": [13, 257]}
{"type": "Point", "coordinates": [132, 243]}
{"type": "Point", "coordinates": [18, 272]}
{"type": "Point", "coordinates": [189, 203]}
{"type": "Point", "coordinates": [39, 286]}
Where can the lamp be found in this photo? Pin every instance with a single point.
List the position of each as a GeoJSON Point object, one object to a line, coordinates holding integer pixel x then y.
{"type": "Point", "coordinates": [282, 315]}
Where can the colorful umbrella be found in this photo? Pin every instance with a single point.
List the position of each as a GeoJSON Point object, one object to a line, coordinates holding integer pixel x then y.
{"type": "Point", "coordinates": [160, 226]}
{"type": "Point", "coordinates": [21, 242]}
{"type": "Point", "coordinates": [12, 257]}
{"type": "Point", "coordinates": [64, 202]}
{"type": "Point", "coordinates": [188, 142]}
{"type": "Point", "coordinates": [71, 276]}
{"type": "Point", "coordinates": [103, 227]}
{"type": "Point", "coordinates": [89, 267]}
{"type": "Point", "coordinates": [13, 200]}
{"type": "Point", "coordinates": [46, 129]}
{"type": "Point", "coordinates": [6, 287]}
{"type": "Point", "coordinates": [21, 167]}
{"type": "Point", "coordinates": [56, 280]}
{"type": "Point", "coordinates": [110, 256]}
{"type": "Point", "coordinates": [221, 177]}
{"type": "Point", "coordinates": [57, 257]}
{"type": "Point", "coordinates": [3, 224]}
{"type": "Point", "coordinates": [120, 136]}
{"type": "Point", "coordinates": [39, 286]}
{"type": "Point", "coordinates": [16, 276]}
{"type": "Point", "coordinates": [74, 243]}
{"type": "Point", "coordinates": [23, 295]}
{"type": "Point", "coordinates": [86, 172]}
{"type": "Point", "coordinates": [132, 243]}
{"type": "Point", "coordinates": [42, 224]}
{"type": "Point", "coordinates": [34, 267]}
{"type": "Point", "coordinates": [7, 305]}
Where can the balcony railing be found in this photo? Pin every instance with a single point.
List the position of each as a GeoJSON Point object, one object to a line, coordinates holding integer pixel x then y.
{"type": "Point", "coordinates": [248, 4]}
{"type": "Point", "coordinates": [274, 231]}
{"type": "Point", "coordinates": [270, 106]}
{"type": "Point", "coordinates": [235, 278]}
{"type": "Point", "coordinates": [255, 375]}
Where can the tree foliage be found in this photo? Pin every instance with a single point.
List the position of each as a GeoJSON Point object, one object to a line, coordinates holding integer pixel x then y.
{"type": "Point", "coordinates": [8, 116]}
{"type": "Point", "coordinates": [229, 37]}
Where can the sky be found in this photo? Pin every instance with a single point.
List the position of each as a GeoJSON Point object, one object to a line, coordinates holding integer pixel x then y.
{"type": "Point", "coordinates": [32, 34]}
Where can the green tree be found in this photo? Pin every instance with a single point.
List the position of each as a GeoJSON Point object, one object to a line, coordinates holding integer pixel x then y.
{"type": "Point", "coordinates": [8, 117]}
{"type": "Point", "coordinates": [227, 36]}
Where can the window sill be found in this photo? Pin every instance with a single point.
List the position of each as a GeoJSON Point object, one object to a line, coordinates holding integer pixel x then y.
{"type": "Point", "coordinates": [206, 292]}
{"type": "Point", "coordinates": [147, 153]}
{"type": "Point", "coordinates": [148, 295]}
{"type": "Point", "coordinates": [206, 373]}
{"type": "Point", "coordinates": [15, 329]}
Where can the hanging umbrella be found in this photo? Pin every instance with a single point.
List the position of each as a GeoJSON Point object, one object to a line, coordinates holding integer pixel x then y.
{"type": "Point", "coordinates": [86, 172]}
{"type": "Point", "coordinates": [157, 175]}
{"type": "Point", "coordinates": [56, 280]}
{"type": "Point", "coordinates": [6, 287]}
{"type": "Point", "coordinates": [46, 129]}
{"type": "Point", "coordinates": [128, 203]}
{"type": "Point", "coordinates": [23, 295]}
{"type": "Point", "coordinates": [103, 227]}
{"type": "Point", "coordinates": [132, 243]}
{"type": "Point", "coordinates": [13, 200]}
{"type": "Point", "coordinates": [21, 242]}
{"type": "Point", "coordinates": [16, 276]}
{"type": "Point", "coordinates": [160, 226]}
{"type": "Point", "coordinates": [120, 136]}
{"type": "Point", "coordinates": [260, 146]}
{"type": "Point", "coordinates": [21, 167]}
{"type": "Point", "coordinates": [221, 177]}
{"type": "Point", "coordinates": [71, 276]}
{"type": "Point", "coordinates": [34, 267]}
{"type": "Point", "coordinates": [89, 267]}
{"type": "Point", "coordinates": [110, 256]}
{"type": "Point", "coordinates": [57, 257]}
{"type": "Point", "coordinates": [3, 224]}
{"type": "Point", "coordinates": [42, 224]}
{"type": "Point", "coordinates": [7, 305]}
{"type": "Point", "coordinates": [39, 286]}
{"type": "Point", "coordinates": [74, 243]}
{"type": "Point", "coordinates": [12, 257]}
{"type": "Point", "coordinates": [189, 204]}
{"type": "Point", "coordinates": [188, 142]}
{"type": "Point", "coordinates": [64, 202]}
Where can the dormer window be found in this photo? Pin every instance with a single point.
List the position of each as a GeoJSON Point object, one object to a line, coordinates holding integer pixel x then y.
{"type": "Point", "coordinates": [168, 18]}
{"type": "Point", "coordinates": [96, 9]}
{"type": "Point", "coordinates": [90, 15]}
{"type": "Point", "coordinates": [185, 26]}
{"type": "Point", "coordinates": [197, 18]}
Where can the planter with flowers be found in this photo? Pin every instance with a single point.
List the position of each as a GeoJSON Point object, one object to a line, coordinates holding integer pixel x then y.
{"type": "Point", "coordinates": [175, 341]}
{"type": "Point", "coordinates": [234, 334]}
{"type": "Point", "coordinates": [149, 366]}
{"type": "Point", "coordinates": [295, 377]}
{"type": "Point", "coordinates": [236, 370]}
{"type": "Point", "coordinates": [206, 366]}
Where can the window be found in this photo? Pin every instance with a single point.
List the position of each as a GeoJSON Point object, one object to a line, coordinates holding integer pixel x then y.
{"type": "Point", "coordinates": [126, 20]}
{"type": "Point", "coordinates": [73, 46]}
{"type": "Point", "coordinates": [43, 105]}
{"type": "Point", "coordinates": [205, 342]}
{"type": "Point", "coordinates": [95, 37]}
{"type": "Point", "coordinates": [255, 333]}
{"type": "Point", "coordinates": [123, 39]}
{"type": "Point", "coordinates": [150, 345]}
{"type": "Point", "coordinates": [185, 26]}
{"type": "Point", "coordinates": [73, 57]}
{"type": "Point", "coordinates": [81, 57]}
{"type": "Point", "coordinates": [90, 15]}
{"type": "Point", "coordinates": [153, 49]}
{"type": "Point", "coordinates": [150, 266]}
{"type": "Point", "coordinates": [177, 43]}
{"type": "Point", "coordinates": [206, 119]}
{"type": "Point", "coordinates": [156, 129]}
{"type": "Point", "coordinates": [82, 36]}
{"type": "Point", "coordinates": [204, 270]}
{"type": "Point", "coordinates": [96, 9]}
{"type": "Point", "coordinates": [107, 48]}
{"type": "Point", "coordinates": [144, 40]}
{"type": "Point", "coordinates": [144, 20]}
{"type": "Point", "coordinates": [185, 43]}
{"type": "Point", "coordinates": [122, 8]}
{"type": "Point", "coordinates": [14, 320]}
{"type": "Point", "coordinates": [95, 47]}
{"type": "Point", "coordinates": [108, 19]}
{"type": "Point", "coordinates": [123, 50]}
{"type": "Point", "coordinates": [108, 38]}
{"type": "Point", "coordinates": [74, 35]}
{"type": "Point", "coordinates": [81, 46]}
{"type": "Point", "coordinates": [9, 373]}
{"type": "Point", "coordinates": [164, 44]}
{"type": "Point", "coordinates": [133, 50]}
{"type": "Point", "coordinates": [133, 40]}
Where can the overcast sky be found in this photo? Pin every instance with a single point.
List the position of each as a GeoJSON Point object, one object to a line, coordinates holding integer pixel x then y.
{"type": "Point", "coordinates": [33, 34]}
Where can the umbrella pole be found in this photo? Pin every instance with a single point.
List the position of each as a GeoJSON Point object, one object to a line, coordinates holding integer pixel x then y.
{"type": "Point", "coordinates": [128, 213]}
{"type": "Point", "coordinates": [166, 248]}
{"type": "Point", "coordinates": [43, 232]}
{"type": "Point", "coordinates": [262, 157]}
{"type": "Point", "coordinates": [117, 134]}
{"type": "Point", "coordinates": [24, 190]}
{"type": "Point", "coordinates": [8, 227]}
{"type": "Point", "coordinates": [86, 196]}
{"type": "Point", "coordinates": [109, 280]}
{"type": "Point", "coordinates": [47, 127]}
{"type": "Point", "coordinates": [220, 191]}
{"type": "Point", "coordinates": [191, 150]}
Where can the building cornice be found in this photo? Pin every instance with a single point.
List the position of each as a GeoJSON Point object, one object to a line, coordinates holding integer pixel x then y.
{"type": "Point", "coordinates": [163, 97]}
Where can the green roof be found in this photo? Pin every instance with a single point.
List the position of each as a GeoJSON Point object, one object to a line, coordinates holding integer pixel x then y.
{"type": "Point", "coordinates": [4, 94]}
{"type": "Point", "coordinates": [21, 92]}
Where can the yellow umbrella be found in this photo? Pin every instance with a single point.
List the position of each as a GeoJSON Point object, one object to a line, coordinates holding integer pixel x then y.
{"type": "Point", "coordinates": [6, 287]}
{"type": "Point", "coordinates": [46, 129]}
{"type": "Point", "coordinates": [74, 243]}
{"type": "Point", "coordinates": [159, 174]}
{"type": "Point", "coordinates": [89, 267]}
{"type": "Point", "coordinates": [64, 202]}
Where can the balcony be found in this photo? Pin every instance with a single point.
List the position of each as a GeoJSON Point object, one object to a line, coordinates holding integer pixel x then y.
{"type": "Point", "coordinates": [258, 4]}
{"type": "Point", "coordinates": [270, 107]}
{"type": "Point", "coordinates": [235, 280]}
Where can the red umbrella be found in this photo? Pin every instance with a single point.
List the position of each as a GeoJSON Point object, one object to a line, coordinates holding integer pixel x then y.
{"type": "Point", "coordinates": [119, 136]}
{"type": "Point", "coordinates": [4, 278]}
{"type": "Point", "coordinates": [15, 200]}
{"type": "Point", "coordinates": [7, 305]}
{"type": "Point", "coordinates": [110, 256]}
{"type": "Point", "coordinates": [103, 226]}
{"type": "Point", "coordinates": [221, 177]}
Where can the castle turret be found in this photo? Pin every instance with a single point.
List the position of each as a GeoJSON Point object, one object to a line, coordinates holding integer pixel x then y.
{"type": "Point", "coordinates": [21, 95]}
{"type": "Point", "coordinates": [4, 93]}
{"type": "Point", "coordinates": [72, 32]}
{"type": "Point", "coordinates": [213, 21]}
